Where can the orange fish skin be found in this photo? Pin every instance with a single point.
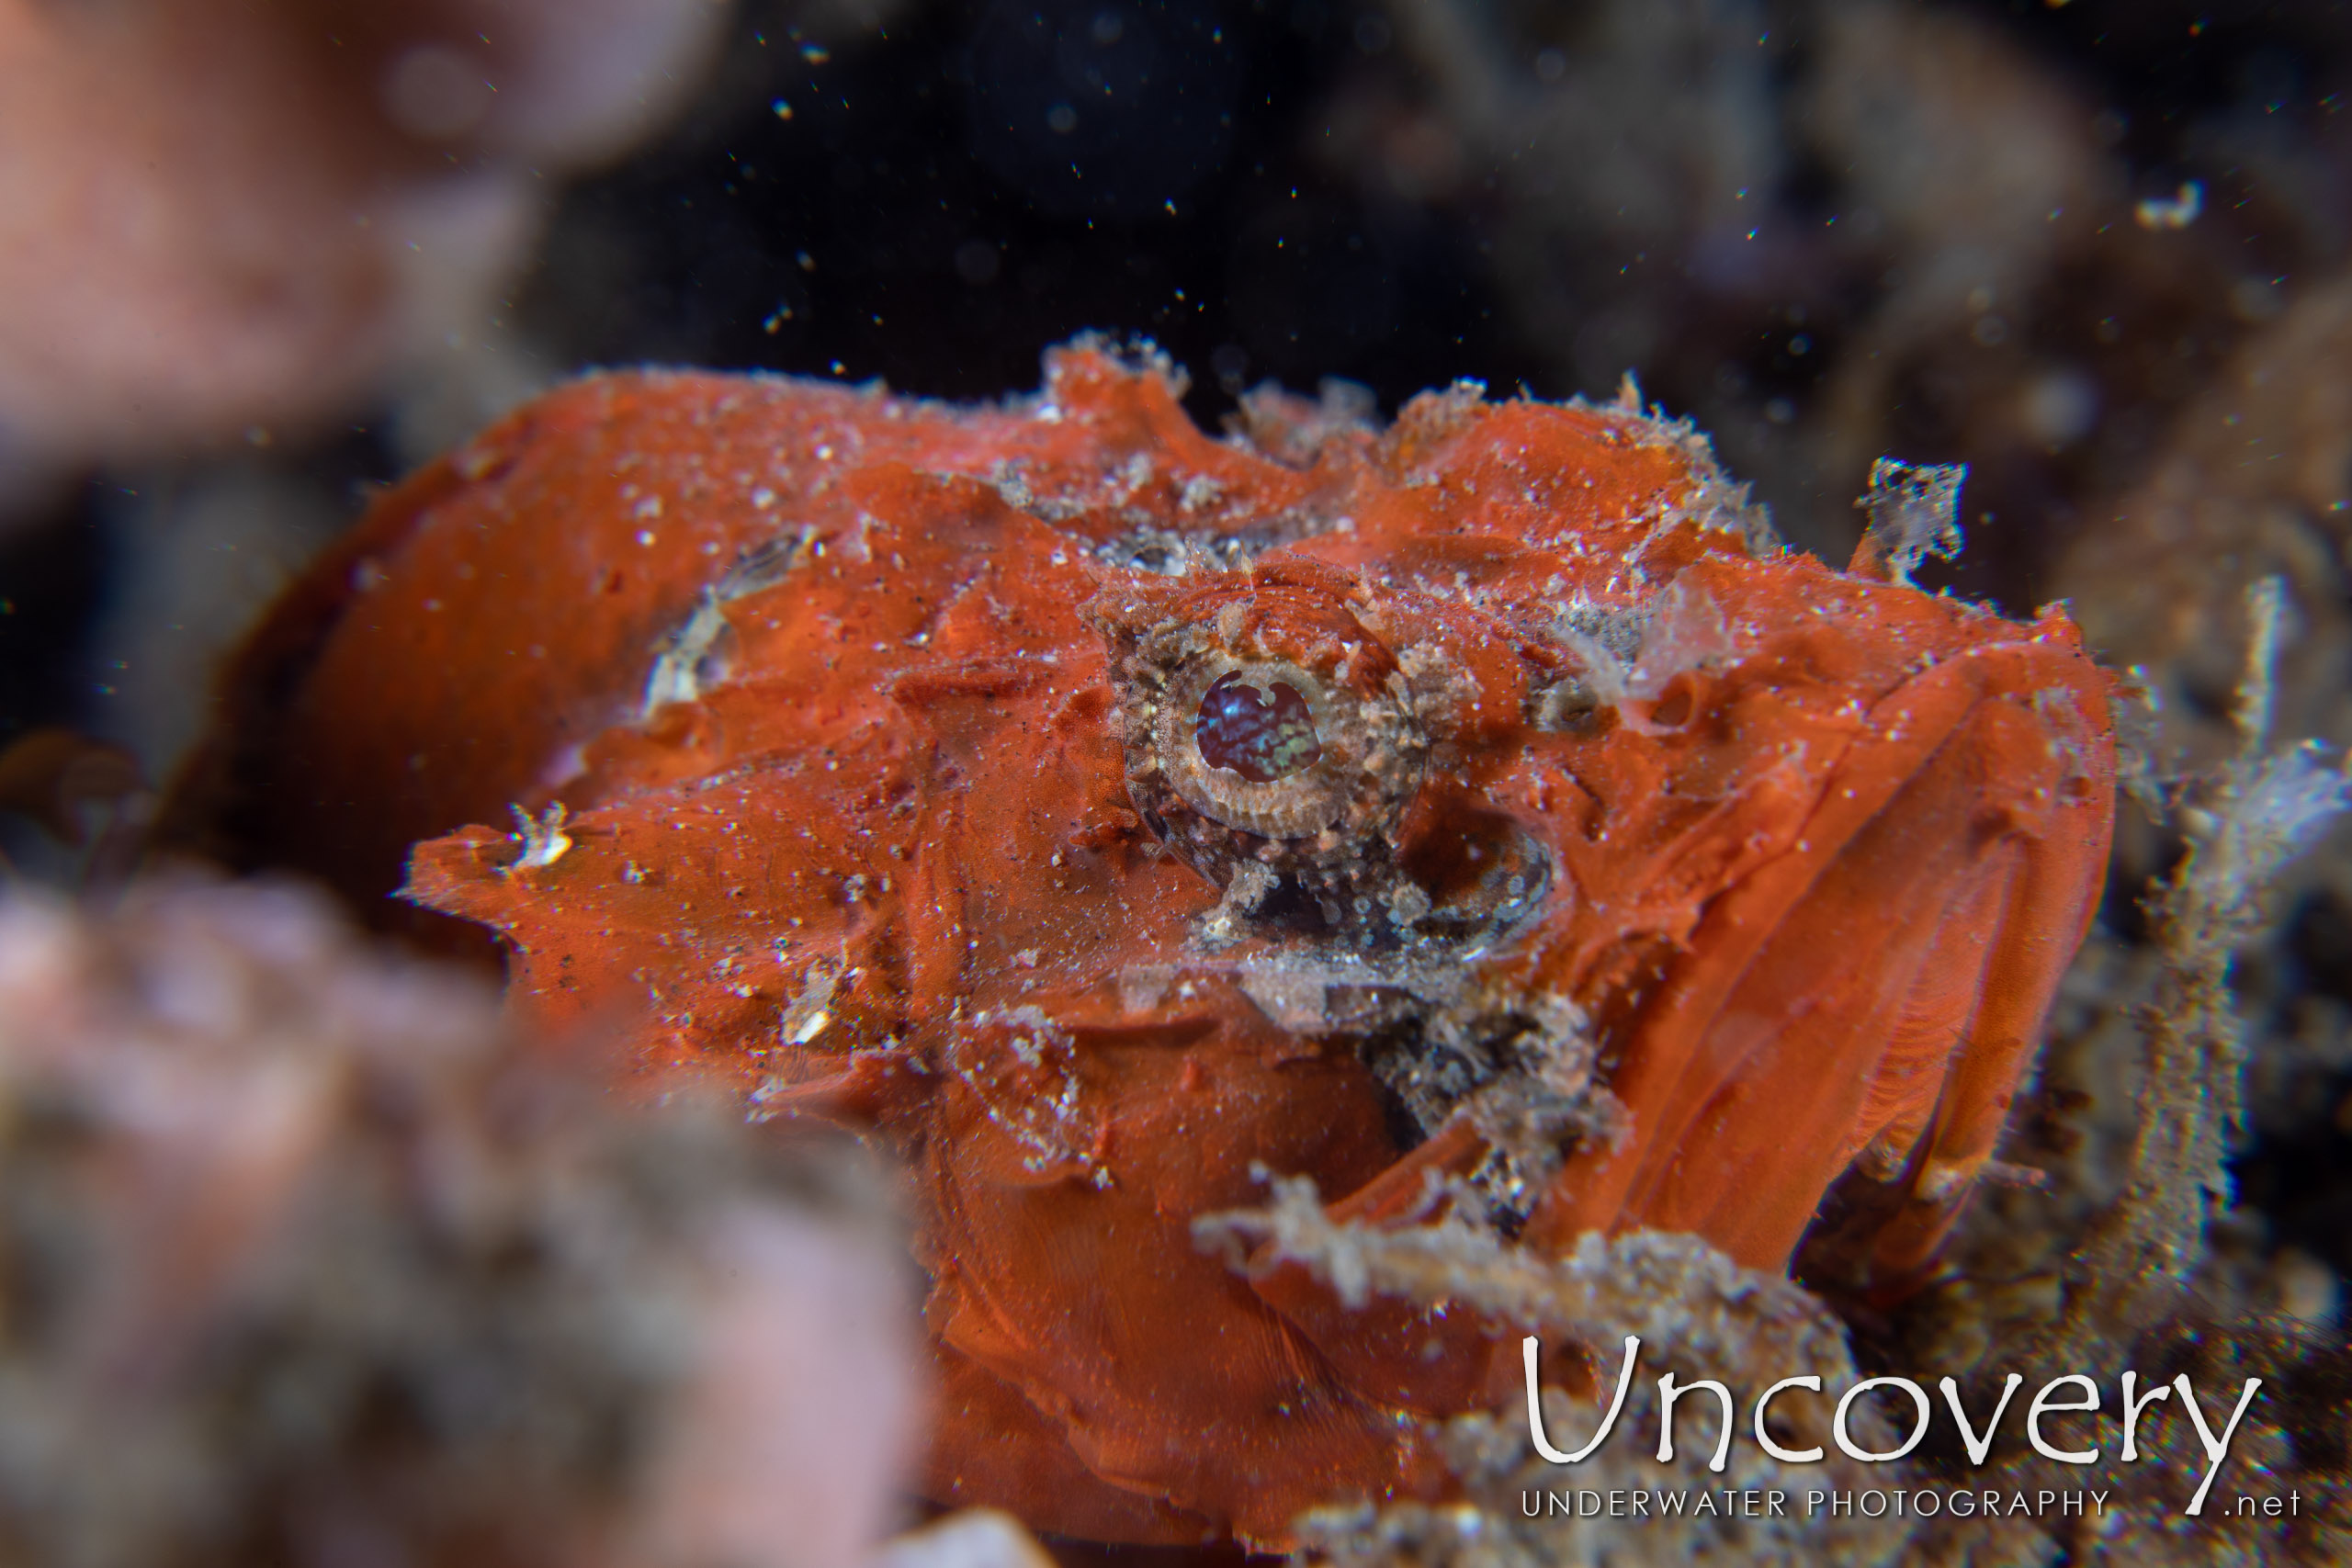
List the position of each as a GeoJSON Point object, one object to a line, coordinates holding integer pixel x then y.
{"type": "Point", "coordinates": [1800, 856]}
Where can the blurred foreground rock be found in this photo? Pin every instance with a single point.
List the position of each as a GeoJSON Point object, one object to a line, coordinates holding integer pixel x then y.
{"type": "Point", "coordinates": [218, 215]}
{"type": "Point", "coordinates": [303, 1261]}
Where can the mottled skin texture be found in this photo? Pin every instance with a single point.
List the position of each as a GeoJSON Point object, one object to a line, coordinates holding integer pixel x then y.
{"type": "Point", "coordinates": [1815, 859]}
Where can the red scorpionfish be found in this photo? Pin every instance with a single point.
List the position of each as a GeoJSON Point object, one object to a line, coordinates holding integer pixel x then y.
{"type": "Point", "coordinates": [1104, 815]}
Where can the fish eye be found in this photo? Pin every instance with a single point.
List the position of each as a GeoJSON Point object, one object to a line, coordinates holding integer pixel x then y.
{"type": "Point", "coordinates": [1268, 730]}
{"type": "Point", "coordinates": [1262, 734]}
{"type": "Point", "coordinates": [1262, 746]}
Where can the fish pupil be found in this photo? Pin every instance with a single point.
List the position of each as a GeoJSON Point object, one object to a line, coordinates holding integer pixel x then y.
{"type": "Point", "coordinates": [1264, 734]}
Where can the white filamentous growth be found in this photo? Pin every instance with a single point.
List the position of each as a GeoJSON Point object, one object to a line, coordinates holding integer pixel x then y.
{"type": "Point", "coordinates": [1914, 511]}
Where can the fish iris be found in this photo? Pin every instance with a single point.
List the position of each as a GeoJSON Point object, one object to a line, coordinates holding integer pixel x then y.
{"type": "Point", "coordinates": [1261, 735]}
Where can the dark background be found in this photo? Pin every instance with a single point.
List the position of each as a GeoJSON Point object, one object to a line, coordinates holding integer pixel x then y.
{"type": "Point", "coordinates": [964, 183]}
